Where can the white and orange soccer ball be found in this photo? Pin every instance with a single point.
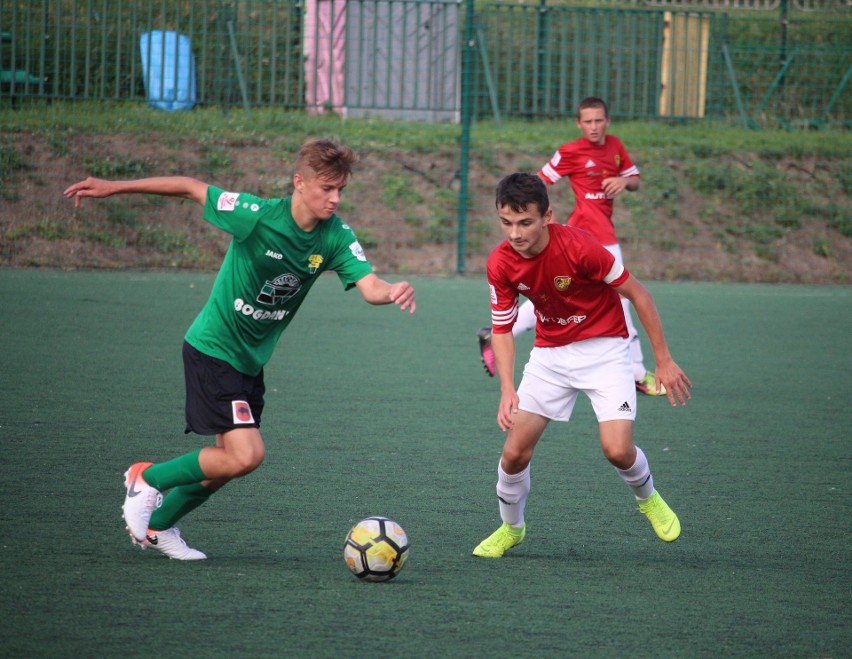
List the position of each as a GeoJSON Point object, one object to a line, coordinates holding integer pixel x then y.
{"type": "Point", "coordinates": [376, 548]}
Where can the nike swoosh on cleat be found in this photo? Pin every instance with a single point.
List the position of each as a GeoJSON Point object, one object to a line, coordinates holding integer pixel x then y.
{"type": "Point", "coordinates": [131, 491]}
{"type": "Point", "coordinates": [671, 524]}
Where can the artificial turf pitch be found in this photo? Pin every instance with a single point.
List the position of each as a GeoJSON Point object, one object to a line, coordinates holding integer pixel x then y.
{"type": "Point", "coordinates": [372, 411]}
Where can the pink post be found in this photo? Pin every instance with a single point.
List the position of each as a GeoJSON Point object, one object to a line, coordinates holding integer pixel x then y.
{"type": "Point", "coordinates": [325, 55]}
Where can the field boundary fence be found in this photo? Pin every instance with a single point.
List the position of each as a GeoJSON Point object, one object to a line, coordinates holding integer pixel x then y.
{"type": "Point", "coordinates": [787, 63]}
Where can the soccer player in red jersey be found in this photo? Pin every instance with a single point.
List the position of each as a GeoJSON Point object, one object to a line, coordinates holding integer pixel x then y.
{"type": "Point", "coordinates": [599, 169]}
{"type": "Point", "coordinates": [581, 345]}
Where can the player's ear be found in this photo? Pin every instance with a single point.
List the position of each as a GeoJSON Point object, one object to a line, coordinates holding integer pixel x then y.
{"type": "Point", "coordinates": [548, 215]}
{"type": "Point", "coordinates": [298, 182]}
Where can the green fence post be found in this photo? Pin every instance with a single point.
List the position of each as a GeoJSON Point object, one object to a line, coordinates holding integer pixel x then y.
{"type": "Point", "coordinates": [235, 55]}
{"type": "Point", "coordinates": [466, 116]}
{"type": "Point", "coordinates": [730, 66]}
{"type": "Point", "coordinates": [486, 70]}
{"type": "Point", "coordinates": [836, 95]}
{"type": "Point", "coordinates": [777, 82]}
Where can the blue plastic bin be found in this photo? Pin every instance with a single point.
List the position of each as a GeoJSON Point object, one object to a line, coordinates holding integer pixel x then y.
{"type": "Point", "coordinates": [168, 70]}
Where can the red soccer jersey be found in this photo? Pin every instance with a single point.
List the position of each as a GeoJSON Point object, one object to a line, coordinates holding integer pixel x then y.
{"type": "Point", "coordinates": [570, 283]}
{"type": "Point", "coordinates": [586, 165]}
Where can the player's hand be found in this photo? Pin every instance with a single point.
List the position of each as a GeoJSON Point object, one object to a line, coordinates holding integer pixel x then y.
{"type": "Point", "coordinates": [402, 295]}
{"type": "Point", "coordinates": [508, 410]}
{"type": "Point", "coordinates": [675, 381]}
{"type": "Point", "coordinates": [91, 187]}
{"type": "Point", "coordinates": [614, 185]}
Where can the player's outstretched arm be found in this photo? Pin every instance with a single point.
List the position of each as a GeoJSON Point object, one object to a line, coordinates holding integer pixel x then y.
{"type": "Point", "coordinates": [375, 290]}
{"type": "Point", "coordinates": [667, 373]}
{"type": "Point", "coordinates": [503, 346]}
{"type": "Point", "coordinates": [167, 186]}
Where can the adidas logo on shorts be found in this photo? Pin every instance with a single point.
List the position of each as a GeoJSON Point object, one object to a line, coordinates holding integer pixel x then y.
{"type": "Point", "coordinates": [624, 407]}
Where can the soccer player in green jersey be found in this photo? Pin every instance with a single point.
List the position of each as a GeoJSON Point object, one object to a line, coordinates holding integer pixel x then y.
{"type": "Point", "coordinates": [279, 249]}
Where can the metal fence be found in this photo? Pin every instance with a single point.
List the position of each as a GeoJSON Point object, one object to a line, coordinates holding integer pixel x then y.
{"type": "Point", "coordinates": [247, 51]}
{"type": "Point", "coordinates": [539, 61]}
{"type": "Point", "coordinates": [788, 65]}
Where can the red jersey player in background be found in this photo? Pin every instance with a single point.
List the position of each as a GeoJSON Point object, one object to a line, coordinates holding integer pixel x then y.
{"type": "Point", "coordinates": [581, 345]}
{"type": "Point", "coordinates": [599, 169]}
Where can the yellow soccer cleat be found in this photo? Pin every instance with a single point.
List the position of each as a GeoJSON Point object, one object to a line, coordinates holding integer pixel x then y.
{"type": "Point", "coordinates": [665, 522]}
{"type": "Point", "coordinates": [496, 544]}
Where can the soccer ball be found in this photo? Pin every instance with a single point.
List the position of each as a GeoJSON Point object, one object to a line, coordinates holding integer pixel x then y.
{"type": "Point", "coordinates": [375, 549]}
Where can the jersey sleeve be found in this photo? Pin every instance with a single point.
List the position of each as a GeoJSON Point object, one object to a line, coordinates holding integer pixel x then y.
{"type": "Point", "coordinates": [555, 168]}
{"type": "Point", "coordinates": [504, 298]}
{"type": "Point", "coordinates": [349, 261]}
{"type": "Point", "coordinates": [626, 168]}
{"type": "Point", "coordinates": [602, 265]}
{"type": "Point", "coordinates": [235, 212]}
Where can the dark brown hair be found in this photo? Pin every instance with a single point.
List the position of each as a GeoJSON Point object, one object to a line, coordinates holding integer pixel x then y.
{"type": "Point", "coordinates": [519, 190]}
{"type": "Point", "coordinates": [592, 102]}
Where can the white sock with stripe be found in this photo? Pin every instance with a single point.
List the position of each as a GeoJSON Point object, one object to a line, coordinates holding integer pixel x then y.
{"type": "Point", "coordinates": [638, 477]}
{"type": "Point", "coordinates": [512, 493]}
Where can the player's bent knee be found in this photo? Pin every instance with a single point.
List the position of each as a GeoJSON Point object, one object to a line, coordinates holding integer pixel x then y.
{"type": "Point", "coordinates": [622, 457]}
{"type": "Point", "coordinates": [245, 451]}
{"type": "Point", "coordinates": [247, 462]}
{"type": "Point", "coordinates": [514, 462]}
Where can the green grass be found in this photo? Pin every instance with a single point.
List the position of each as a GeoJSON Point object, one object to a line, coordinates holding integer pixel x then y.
{"type": "Point", "coordinates": [373, 411]}
{"type": "Point", "coordinates": [756, 192]}
{"type": "Point", "coordinates": [706, 138]}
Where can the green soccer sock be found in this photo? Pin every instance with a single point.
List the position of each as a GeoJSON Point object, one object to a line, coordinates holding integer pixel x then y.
{"type": "Point", "coordinates": [177, 503]}
{"type": "Point", "coordinates": [184, 470]}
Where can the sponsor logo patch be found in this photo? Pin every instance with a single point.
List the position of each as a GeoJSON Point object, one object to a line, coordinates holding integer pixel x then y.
{"type": "Point", "coordinates": [279, 289]}
{"type": "Point", "coordinates": [227, 201]}
{"type": "Point", "coordinates": [242, 412]}
{"type": "Point", "coordinates": [357, 251]}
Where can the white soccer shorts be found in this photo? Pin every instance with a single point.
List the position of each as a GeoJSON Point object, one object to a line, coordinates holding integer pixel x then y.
{"type": "Point", "coordinates": [600, 368]}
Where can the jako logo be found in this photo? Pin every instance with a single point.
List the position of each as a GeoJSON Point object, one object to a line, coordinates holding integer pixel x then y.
{"type": "Point", "coordinates": [274, 255]}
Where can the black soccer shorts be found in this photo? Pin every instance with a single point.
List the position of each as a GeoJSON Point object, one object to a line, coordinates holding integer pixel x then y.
{"type": "Point", "coordinates": [218, 397]}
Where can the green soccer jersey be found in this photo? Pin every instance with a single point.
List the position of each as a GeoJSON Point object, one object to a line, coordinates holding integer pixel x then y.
{"type": "Point", "coordinates": [270, 266]}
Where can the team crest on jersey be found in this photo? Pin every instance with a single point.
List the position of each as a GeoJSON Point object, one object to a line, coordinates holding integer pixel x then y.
{"type": "Point", "coordinates": [562, 283]}
{"type": "Point", "coordinates": [314, 262]}
{"type": "Point", "coordinates": [279, 289]}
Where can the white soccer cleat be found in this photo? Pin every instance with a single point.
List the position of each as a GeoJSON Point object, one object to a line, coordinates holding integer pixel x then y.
{"type": "Point", "coordinates": [170, 543]}
{"type": "Point", "coordinates": [140, 501]}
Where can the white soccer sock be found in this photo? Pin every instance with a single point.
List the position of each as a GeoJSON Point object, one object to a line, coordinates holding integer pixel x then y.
{"type": "Point", "coordinates": [638, 477]}
{"type": "Point", "coordinates": [512, 493]}
{"type": "Point", "coordinates": [525, 320]}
